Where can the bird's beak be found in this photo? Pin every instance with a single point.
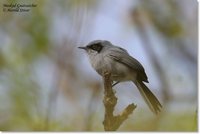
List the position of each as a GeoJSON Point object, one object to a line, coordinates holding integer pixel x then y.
{"type": "Point", "coordinates": [82, 48]}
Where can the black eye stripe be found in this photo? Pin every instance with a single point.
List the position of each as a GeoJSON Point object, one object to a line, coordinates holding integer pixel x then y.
{"type": "Point", "coordinates": [94, 46]}
{"type": "Point", "coordinates": [97, 47]}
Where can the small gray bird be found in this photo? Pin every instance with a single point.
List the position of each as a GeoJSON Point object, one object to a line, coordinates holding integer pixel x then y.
{"type": "Point", "coordinates": [105, 56]}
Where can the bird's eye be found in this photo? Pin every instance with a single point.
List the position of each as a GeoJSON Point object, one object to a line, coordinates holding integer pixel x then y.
{"type": "Point", "coordinates": [97, 47]}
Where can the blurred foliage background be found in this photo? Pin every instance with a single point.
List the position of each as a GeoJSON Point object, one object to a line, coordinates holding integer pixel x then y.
{"type": "Point", "coordinates": [47, 84]}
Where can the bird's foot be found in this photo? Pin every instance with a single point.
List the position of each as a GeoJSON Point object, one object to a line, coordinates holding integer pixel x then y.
{"type": "Point", "coordinates": [115, 83]}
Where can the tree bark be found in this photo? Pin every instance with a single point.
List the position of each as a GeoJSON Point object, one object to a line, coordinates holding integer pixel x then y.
{"type": "Point", "coordinates": [111, 122]}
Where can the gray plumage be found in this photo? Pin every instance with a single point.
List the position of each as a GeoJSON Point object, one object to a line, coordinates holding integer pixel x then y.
{"type": "Point", "coordinates": [105, 56]}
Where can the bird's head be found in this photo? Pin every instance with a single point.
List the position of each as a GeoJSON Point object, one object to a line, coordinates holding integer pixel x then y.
{"type": "Point", "coordinates": [96, 46]}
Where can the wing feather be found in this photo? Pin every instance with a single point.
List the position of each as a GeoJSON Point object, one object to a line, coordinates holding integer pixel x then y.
{"type": "Point", "coordinates": [122, 56]}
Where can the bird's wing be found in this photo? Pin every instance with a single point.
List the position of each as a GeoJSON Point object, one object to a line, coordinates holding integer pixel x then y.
{"type": "Point", "coordinates": [122, 56]}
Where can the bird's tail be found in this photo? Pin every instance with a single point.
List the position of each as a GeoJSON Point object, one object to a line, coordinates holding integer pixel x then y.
{"type": "Point", "coordinates": [149, 97]}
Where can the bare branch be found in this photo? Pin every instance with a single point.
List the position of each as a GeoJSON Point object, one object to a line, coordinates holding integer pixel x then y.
{"type": "Point", "coordinates": [111, 122]}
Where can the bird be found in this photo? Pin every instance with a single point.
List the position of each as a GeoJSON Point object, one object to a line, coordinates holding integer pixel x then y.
{"type": "Point", "coordinates": [104, 56]}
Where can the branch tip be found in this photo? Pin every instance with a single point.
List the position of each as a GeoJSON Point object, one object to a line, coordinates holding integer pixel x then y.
{"type": "Point", "coordinates": [111, 122]}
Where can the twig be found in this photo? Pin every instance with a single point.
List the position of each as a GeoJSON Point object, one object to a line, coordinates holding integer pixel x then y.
{"type": "Point", "coordinates": [111, 122]}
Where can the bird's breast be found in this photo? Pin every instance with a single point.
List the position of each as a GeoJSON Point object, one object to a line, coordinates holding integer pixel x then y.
{"type": "Point", "coordinates": [119, 71]}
